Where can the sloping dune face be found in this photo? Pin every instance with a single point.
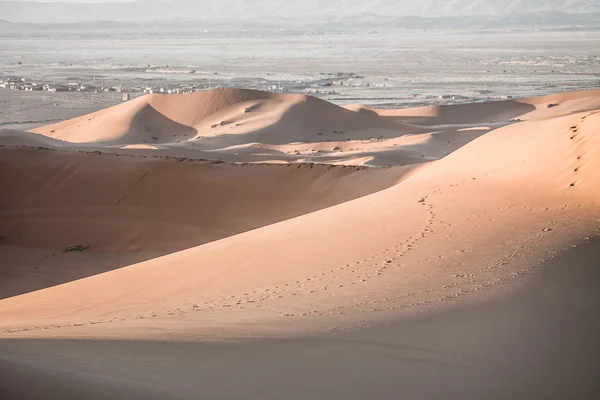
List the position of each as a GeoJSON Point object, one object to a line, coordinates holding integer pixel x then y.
{"type": "Point", "coordinates": [437, 269]}
{"type": "Point", "coordinates": [239, 125]}
{"type": "Point", "coordinates": [131, 208]}
{"type": "Point", "coordinates": [152, 118]}
{"type": "Point", "coordinates": [484, 215]}
{"type": "Point", "coordinates": [261, 116]}
{"type": "Point", "coordinates": [498, 111]}
{"type": "Point", "coordinates": [126, 203]}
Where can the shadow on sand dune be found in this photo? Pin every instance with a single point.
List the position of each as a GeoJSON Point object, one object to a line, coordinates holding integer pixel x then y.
{"type": "Point", "coordinates": [315, 120]}
{"type": "Point", "coordinates": [111, 204]}
{"type": "Point", "coordinates": [150, 126]}
{"type": "Point", "coordinates": [26, 269]}
{"type": "Point", "coordinates": [540, 343]}
{"type": "Point", "coordinates": [457, 114]}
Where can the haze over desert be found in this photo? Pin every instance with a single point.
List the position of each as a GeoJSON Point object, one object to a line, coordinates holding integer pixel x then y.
{"type": "Point", "coordinates": [240, 243]}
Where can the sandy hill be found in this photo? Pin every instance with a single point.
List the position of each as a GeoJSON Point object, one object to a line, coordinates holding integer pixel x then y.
{"type": "Point", "coordinates": [12, 137]}
{"type": "Point", "coordinates": [419, 264]}
{"type": "Point", "coordinates": [111, 202]}
{"type": "Point", "coordinates": [260, 116]}
{"type": "Point", "coordinates": [497, 111]}
{"type": "Point", "coordinates": [427, 208]}
{"type": "Point", "coordinates": [251, 126]}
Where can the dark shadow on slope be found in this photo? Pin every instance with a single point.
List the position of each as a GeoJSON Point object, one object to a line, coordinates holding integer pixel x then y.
{"type": "Point", "coordinates": [439, 145]}
{"type": "Point", "coordinates": [465, 114]}
{"type": "Point", "coordinates": [315, 120]}
{"type": "Point", "coordinates": [28, 269]}
{"type": "Point", "coordinates": [128, 209]}
{"type": "Point", "coordinates": [540, 343]}
{"type": "Point", "coordinates": [151, 126]}
{"type": "Point", "coordinates": [302, 124]}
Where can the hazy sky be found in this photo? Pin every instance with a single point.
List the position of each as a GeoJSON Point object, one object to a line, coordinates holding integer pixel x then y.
{"type": "Point", "coordinates": [151, 10]}
{"type": "Point", "coordinates": [77, 1]}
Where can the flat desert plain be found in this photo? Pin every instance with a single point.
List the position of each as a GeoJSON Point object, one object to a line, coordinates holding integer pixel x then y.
{"type": "Point", "coordinates": [238, 244]}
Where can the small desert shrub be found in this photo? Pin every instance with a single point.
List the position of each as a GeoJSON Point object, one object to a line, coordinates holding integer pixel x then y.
{"type": "Point", "coordinates": [76, 247]}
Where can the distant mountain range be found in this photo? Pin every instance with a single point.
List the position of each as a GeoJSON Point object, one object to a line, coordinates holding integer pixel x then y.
{"type": "Point", "coordinates": [318, 23]}
{"type": "Point", "coordinates": [152, 10]}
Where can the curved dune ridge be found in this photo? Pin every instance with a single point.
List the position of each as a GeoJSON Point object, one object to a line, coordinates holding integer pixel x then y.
{"type": "Point", "coordinates": [238, 125]}
{"type": "Point", "coordinates": [185, 250]}
{"type": "Point", "coordinates": [15, 138]}
{"type": "Point", "coordinates": [142, 207]}
{"type": "Point", "coordinates": [495, 111]}
{"type": "Point", "coordinates": [261, 116]}
{"type": "Point", "coordinates": [122, 212]}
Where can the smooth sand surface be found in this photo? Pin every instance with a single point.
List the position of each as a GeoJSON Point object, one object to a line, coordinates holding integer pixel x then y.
{"type": "Point", "coordinates": [468, 269]}
{"type": "Point", "coordinates": [540, 343]}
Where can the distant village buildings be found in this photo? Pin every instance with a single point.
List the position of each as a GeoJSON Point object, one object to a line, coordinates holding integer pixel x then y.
{"type": "Point", "coordinates": [23, 84]}
{"type": "Point", "coordinates": [18, 83]}
{"type": "Point", "coordinates": [92, 87]}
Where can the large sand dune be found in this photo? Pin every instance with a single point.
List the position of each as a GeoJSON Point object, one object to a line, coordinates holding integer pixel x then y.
{"type": "Point", "coordinates": [250, 126]}
{"type": "Point", "coordinates": [295, 250]}
{"type": "Point", "coordinates": [142, 207]}
{"type": "Point", "coordinates": [268, 117]}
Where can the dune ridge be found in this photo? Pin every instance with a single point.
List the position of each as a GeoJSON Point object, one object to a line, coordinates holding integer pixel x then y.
{"type": "Point", "coordinates": [237, 125]}
{"type": "Point", "coordinates": [488, 164]}
{"type": "Point", "coordinates": [158, 118]}
{"type": "Point", "coordinates": [187, 253]}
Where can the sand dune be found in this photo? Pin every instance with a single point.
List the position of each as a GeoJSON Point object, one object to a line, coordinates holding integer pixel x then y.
{"type": "Point", "coordinates": [197, 202]}
{"type": "Point", "coordinates": [403, 215]}
{"type": "Point", "coordinates": [289, 250]}
{"type": "Point", "coordinates": [258, 116]}
{"type": "Point", "coordinates": [498, 349]}
{"type": "Point", "coordinates": [111, 204]}
{"type": "Point", "coordinates": [237, 125]}
{"type": "Point", "coordinates": [497, 111]}
{"type": "Point", "coordinates": [14, 138]}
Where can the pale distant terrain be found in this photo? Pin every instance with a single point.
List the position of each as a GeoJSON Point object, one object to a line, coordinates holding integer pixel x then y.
{"type": "Point", "coordinates": [386, 69]}
{"type": "Point", "coordinates": [149, 10]}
